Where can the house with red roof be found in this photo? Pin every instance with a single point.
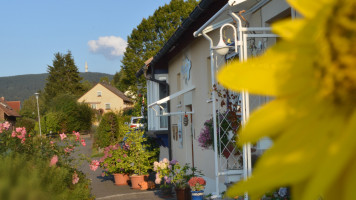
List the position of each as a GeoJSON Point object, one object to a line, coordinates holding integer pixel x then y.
{"type": "Point", "coordinates": [9, 110]}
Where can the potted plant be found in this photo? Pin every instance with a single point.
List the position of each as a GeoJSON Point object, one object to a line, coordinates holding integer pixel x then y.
{"type": "Point", "coordinates": [180, 177]}
{"type": "Point", "coordinates": [163, 171]}
{"type": "Point", "coordinates": [197, 185]}
{"type": "Point", "coordinates": [139, 157]}
{"type": "Point", "coordinates": [116, 162]}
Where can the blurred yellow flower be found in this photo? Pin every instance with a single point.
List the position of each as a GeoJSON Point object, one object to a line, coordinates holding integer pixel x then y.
{"type": "Point", "coordinates": [312, 120]}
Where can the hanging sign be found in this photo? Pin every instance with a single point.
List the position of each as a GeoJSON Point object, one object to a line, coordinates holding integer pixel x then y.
{"type": "Point", "coordinates": [185, 120]}
{"type": "Point", "coordinates": [185, 69]}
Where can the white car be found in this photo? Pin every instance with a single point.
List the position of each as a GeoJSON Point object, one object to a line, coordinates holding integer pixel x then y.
{"type": "Point", "coordinates": [136, 122]}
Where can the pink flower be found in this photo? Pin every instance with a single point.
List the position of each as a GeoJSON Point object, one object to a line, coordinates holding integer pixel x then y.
{"type": "Point", "coordinates": [94, 165]}
{"type": "Point", "coordinates": [158, 180]}
{"type": "Point", "coordinates": [83, 142]}
{"type": "Point", "coordinates": [124, 155]}
{"type": "Point", "coordinates": [103, 174]}
{"type": "Point", "coordinates": [63, 136]}
{"type": "Point", "coordinates": [68, 150]}
{"type": "Point", "coordinates": [75, 178]}
{"type": "Point", "coordinates": [23, 140]}
{"type": "Point", "coordinates": [51, 142]}
{"type": "Point", "coordinates": [6, 125]}
{"type": "Point", "coordinates": [54, 161]}
{"type": "Point", "coordinates": [13, 134]}
{"type": "Point", "coordinates": [77, 134]}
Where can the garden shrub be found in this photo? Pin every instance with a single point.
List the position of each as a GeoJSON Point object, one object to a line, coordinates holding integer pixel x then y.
{"type": "Point", "coordinates": [53, 121]}
{"type": "Point", "coordinates": [33, 178]}
{"type": "Point", "coordinates": [108, 130]}
{"type": "Point", "coordinates": [26, 122]}
{"type": "Point", "coordinates": [36, 167]}
{"type": "Point", "coordinates": [78, 116]}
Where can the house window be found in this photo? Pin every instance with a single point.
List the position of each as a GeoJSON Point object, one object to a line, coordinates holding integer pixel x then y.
{"type": "Point", "coordinates": [163, 120]}
{"type": "Point", "coordinates": [99, 93]}
{"type": "Point", "coordinates": [107, 106]}
{"type": "Point", "coordinates": [93, 106]}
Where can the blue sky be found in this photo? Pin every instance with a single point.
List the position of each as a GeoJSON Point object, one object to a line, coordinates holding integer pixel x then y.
{"type": "Point", "coordinates": [32, 31]}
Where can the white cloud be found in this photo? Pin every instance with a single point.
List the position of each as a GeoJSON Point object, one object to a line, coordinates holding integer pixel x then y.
{"type": "Point", "coordinates": [110, 46]}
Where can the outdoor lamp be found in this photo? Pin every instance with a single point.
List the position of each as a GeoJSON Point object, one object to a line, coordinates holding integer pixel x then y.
{"type": "Point", "coordinates": [39, 118]}
{"type": "Point", "coordinates": [222, 49]}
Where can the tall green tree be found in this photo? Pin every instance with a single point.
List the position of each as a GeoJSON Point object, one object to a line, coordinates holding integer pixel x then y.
{"type": "Point", "coordinates": [63, 77]}
{"type": "Point", "coordinates": [148, 38]}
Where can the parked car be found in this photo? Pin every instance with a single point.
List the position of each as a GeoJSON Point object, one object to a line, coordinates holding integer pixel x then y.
{"type": "Point", "coordinates": [136, 122]}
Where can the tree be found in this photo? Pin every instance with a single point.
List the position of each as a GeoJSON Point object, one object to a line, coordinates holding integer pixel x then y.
{"type": "Point", "coordinates": [107, 131]}
{"type": "Point", "coordinates": [29, 107]}
{"type": "Point", "coordinates": [63, 77]}
{"type": "Point", "coordinates": [69, 114]}
{"type": "Point", "coordinates": [148, 38]}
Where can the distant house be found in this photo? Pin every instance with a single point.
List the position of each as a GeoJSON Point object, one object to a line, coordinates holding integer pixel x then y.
{"type": "Point", "coordinates": [105, 97]}
{"type": "Point", "coordinates": [7, 112]}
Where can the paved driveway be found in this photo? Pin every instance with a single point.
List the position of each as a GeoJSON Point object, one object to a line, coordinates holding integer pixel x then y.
{"type": "Point", "coordinates": [104, 187]}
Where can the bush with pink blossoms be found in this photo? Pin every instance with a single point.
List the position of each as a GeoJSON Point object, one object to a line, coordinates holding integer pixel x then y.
{"type": "Point", "coordinates": [56, 154]}
{"type": "Point", "coordinates": [115, 159]}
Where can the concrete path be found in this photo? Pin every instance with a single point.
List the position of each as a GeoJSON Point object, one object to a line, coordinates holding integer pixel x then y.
{"type": "Point", "coordinates": [103, 188]}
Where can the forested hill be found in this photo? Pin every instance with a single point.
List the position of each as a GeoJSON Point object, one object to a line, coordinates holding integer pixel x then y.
{"type": "Point", "coordinates": [20, 88]}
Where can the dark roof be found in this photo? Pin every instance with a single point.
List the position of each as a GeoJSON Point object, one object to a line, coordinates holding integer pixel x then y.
{"type": "Point", "coordinates": [184, 34]}
{"type": "Point", "coordinates": [116, 91]}
{"type": "Point", "coordinates": [7, 109]}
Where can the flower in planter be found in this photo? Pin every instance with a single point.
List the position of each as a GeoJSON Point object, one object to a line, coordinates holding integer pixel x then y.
{"type": "Point", "coordinates": [115, 160]}
{"type": "Point", "coordinates": [164, 172]}
{"type": "Point", "coordinates": [206, 137]}
{"type": "Point", "coordinates": [182, 174]}
{"type": "Point", "coordinates": [139, 155]}
{"type": "Point", "coordinates": [197, 183]}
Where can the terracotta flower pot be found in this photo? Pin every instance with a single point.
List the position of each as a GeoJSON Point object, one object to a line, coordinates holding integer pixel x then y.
{"type": "Point", "coordinates": [121, 179]}
{"type": "Point", "coordinates": [136, 181]}
{"type": "Point", "coordinates": [183, 193]}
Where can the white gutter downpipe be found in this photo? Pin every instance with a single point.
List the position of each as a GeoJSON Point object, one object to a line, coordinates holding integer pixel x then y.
{"type": "Point", "coordinates": [247, 167]}
{"type": "Point", "coordinates": [212, 68]}
{"type": "Point", "coordinates": [230, 3]}
{"type": "Point", "coordinates": [196, 33]}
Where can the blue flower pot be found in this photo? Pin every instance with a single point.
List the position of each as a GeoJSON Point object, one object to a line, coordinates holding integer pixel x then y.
{"type": "Point", "coordinates": [197, 195]}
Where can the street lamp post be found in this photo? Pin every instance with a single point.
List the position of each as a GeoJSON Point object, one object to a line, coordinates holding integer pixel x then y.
{"type": "Point", "coordinates": [38, 111]}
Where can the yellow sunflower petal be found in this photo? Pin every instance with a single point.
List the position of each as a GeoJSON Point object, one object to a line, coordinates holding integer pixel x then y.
{"type": "Point", "coordinates": [338, 154]}
{"type": "Point", "coordinates": [350, 181]}
{"type": "Point", "coordinates": [268, 74]}
{"type": "Point", "coordinates": [281, 164]}
{"type": "Point", "coordinates": [238, 76]}
{"type": "Point", "coordinates": [266, 121]}
{"type": "Point", "coordinates": [288, 29]}
{"type": "Point", "coordinates": [275, 116]}
{"type": "Point", "coordinates": [297, 190]}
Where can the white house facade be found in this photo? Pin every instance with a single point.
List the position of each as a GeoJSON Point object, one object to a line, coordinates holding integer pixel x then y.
{"type": "Point", "coordinates": [185, 69]}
